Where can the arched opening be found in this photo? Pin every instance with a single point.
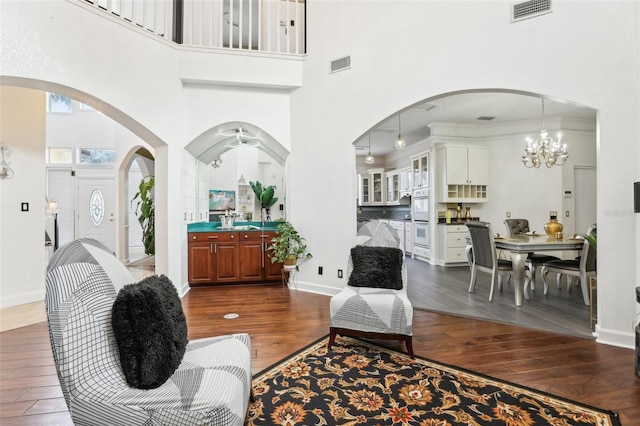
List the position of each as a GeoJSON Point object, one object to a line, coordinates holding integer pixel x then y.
{"type": "Point", "coordinates": [499, 121]}
{"type": "Point", "coordinates": [138, 164]}
{"type": "Point", "coordinates": [130, 133]}
{"type": "Point", "coordinates": [230, 156]}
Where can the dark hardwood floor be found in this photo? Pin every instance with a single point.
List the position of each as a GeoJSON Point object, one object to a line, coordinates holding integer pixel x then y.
{"type": "Point", "coordinates": [280, 321]}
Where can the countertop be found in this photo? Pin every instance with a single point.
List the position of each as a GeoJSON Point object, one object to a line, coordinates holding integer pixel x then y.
{"type": "Point", "coordinates": [238, 226]}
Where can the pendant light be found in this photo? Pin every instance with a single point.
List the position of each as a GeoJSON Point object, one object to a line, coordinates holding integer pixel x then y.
{"type": "Point", "coordinates": [369, 159]}
{"type": "Point", "coordinates": [400, 143]}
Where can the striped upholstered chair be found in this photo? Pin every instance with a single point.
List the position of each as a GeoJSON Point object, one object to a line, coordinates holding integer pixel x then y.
{"type": "Point", "coordinates": [211, 385]}
{"type": "Point", "coordinates": [368, 308]}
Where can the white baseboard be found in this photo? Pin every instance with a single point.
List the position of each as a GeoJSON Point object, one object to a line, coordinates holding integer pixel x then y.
{"type": "Point", "coordinates": [314, 288]}
{"type": "Point", "coordinates": [184, 289]}
{"type": "Point", "coordinates": [615, 338]}
{"type": "Point", "coordinates": [22, 298]}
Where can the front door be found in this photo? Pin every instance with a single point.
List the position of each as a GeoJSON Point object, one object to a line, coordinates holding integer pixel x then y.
{"type": "Point", "coordinates": [96, 210]}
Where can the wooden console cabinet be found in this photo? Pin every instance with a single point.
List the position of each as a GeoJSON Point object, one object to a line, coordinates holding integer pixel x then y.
{"type": "Point", "coordinates": [231, 257]}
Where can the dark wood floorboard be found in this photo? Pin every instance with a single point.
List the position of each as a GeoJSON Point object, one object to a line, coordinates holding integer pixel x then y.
{"type": "Point", "coordinates": [281, 321]}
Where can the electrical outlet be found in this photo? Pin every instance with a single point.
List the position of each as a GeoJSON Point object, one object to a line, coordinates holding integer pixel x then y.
{"type": "Point", "coordinates": [319, 270]}
{"type": "Point", "coordinates": [566, 213]}
{"type": "Point", "coordinates": [339, 273]}
{"type": "Point", "coordinates": [508, 214]}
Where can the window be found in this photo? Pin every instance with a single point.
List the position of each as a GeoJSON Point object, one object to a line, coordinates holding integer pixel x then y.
{"type": "Point", "coordinates": [96, 207]}
{"type": "Point", "coordinates": [58, 103]}
{"type": "Point", "coordinates": [96, 156]}
{"type": "Point", "coordinates": [59, 156]}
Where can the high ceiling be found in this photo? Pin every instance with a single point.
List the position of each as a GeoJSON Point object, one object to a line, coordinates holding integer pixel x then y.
{"type": "Point", "coordinates": [464, 108]}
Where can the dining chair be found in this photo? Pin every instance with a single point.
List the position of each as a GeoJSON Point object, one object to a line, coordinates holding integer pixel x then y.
{"type": "Point", "coordinates": [484, 257]}
{"type": "Point", "coordinates": [582, 268]}
{"type": "Point", "coordinates": [534, 260]}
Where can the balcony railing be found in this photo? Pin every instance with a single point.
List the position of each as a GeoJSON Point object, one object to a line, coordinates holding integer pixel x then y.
{"type": "Point", "coordinates": [274, 26]}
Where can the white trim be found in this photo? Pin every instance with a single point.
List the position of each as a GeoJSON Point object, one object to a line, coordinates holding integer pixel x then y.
{"type": "Point", "coordinates": [615, 338]}
{"type": "Point", "coordinates": [22, 298]}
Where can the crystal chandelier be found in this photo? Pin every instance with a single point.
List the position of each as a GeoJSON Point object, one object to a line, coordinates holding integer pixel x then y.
{"type": "Point", "coordinates": [544, 150]}
{"type": "Point", "coordinates": [369, 159]}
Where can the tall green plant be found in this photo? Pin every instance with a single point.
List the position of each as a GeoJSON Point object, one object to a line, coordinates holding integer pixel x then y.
{"type": "Point", "coordinates": [265, 194]}
{"type": "Point", "coordinates": [147, 214]}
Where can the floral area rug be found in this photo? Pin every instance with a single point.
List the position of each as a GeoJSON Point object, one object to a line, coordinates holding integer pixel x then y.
{"type": "Point", "coordinates": [360, 383]}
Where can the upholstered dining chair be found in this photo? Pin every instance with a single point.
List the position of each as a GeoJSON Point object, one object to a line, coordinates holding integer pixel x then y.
{"type": "Point", "coordinates": [374, 303]}
{"type": "Point", "coordinates": [583, 267]}
{"type": "Point", "coordinates": [485, 258]}
{"type": "Point", "coordinates": [534, 260]}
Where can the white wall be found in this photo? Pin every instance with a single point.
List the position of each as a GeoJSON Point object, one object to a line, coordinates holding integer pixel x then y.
{"type": "Point", "coordinates": [169, 96]}
{"type": "Point", "coordinates": [587, 55]}
{"type": "Point", "coordinates": [22, 252]}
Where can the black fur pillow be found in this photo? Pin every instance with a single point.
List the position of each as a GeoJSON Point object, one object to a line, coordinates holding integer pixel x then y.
{"type": "Point", "coordinates": [379, 267]}
{"type": "Point", "coordinates": [151, 331]}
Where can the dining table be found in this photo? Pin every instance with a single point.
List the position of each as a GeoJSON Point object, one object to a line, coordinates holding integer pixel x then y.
{"type": "Point", "coordinates": [522, 244]}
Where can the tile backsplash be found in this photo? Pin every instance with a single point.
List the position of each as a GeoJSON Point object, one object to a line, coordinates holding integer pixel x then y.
{"type": "Point", "coordinates": [383, 212]}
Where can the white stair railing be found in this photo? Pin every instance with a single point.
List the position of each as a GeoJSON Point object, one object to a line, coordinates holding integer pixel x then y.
{"type": "Point", "coordinates": [275, 26]}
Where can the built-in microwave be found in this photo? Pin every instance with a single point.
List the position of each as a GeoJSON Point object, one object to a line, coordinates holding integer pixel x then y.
{"type": "Point", "coordinates": [421, 204]}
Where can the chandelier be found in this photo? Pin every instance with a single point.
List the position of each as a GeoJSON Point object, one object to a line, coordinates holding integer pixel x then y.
{"type": "Point", "coordinates": [544, 150]}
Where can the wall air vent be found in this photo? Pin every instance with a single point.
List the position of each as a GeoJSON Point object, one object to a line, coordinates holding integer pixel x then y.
{"type": "Point", "coordinates": [341, 64]}
{"type": "Point", "coordinates": [486, 118]}
{"type": "Point", "coordinates": [529, 9]}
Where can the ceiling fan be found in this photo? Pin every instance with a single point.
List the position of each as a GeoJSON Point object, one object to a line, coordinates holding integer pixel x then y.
{"type": "Point", "coordinates": [240, 137]}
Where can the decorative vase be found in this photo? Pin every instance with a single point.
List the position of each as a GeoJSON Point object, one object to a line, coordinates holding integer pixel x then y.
{"type": "Point", "coordinates": [553, 225]}
{"type": "Point", "coordinates": [467, 215]}
{"type": "Point", "coordinates": [459, 214]}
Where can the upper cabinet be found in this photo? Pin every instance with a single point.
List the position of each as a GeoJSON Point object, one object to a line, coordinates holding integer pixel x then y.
{"type": "Point", "coordinates": [465, 173]}
{"type": "Point", "coordinates": [420, 170]}
{"type": "Point", "coordinates": [372, 187]}
{"type": "Point", "coordinates": [467, 165]}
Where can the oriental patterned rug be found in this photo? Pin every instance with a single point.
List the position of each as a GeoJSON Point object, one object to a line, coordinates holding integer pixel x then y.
{"type": "Point", "coordinates": [360, 383]}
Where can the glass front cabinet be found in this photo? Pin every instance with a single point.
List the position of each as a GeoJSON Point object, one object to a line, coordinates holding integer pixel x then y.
{"type": "Point", "coordinates": [373, 187]}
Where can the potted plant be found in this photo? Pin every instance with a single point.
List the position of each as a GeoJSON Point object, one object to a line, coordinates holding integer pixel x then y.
{"type": "Point", "coordinates": [288, 246]}
{"type": "Point", "coordinates": [265, 196]}
{"type": "Point", "coordinates": [147, 213]}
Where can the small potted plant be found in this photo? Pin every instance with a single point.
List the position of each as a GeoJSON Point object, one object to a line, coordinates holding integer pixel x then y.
{"type": "Point", "coordinates": [288, 247]}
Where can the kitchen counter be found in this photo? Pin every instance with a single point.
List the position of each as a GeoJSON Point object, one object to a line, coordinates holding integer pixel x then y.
{"type": "Point", "coordinates": [238, 226]}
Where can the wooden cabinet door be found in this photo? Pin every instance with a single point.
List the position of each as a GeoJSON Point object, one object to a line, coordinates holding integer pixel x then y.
{"type": "Point", "coordinates": [200, 263]}
{"type": "Point", "coordinates": [251, 256]}
{"type": "Point", "coordinates": [227, 258]}
{"type": "Point", "coordinates": [272, 271]}
{"type": "Point", "coordinates": [227, 262]}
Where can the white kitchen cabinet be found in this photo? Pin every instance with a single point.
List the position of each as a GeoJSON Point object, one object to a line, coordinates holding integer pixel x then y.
{"type": "Point", "coordinates": [372, 187]}
{"type": "Point", "coordinates": [408, 237]}
{"type": "Point", "coordinates": [420, 170]}
{"type": "Point", "coordinates": [464, 172]}
{"type": "Point", "coordinates": [455, 243]}
{"type": "Point", "coordinates": [467, 165]}
{"type": "Point", "coordinates": [405, 181]}
{"type": "Point", "coordinates": [393, 187]}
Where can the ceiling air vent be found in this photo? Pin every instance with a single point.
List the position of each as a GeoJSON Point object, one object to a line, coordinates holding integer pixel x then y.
{"type": "Point", "coordinates": [529, 9]}
{"type": "Point", "coordinates": [341, 64]}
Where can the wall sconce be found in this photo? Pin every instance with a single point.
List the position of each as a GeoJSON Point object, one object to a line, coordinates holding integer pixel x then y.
{"type": "Point", "coordinates": [5, 171]}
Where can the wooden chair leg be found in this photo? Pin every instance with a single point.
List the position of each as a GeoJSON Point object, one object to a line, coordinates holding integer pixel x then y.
{"type": "Point", "coordinates": [409, 343]}
{"type": "Point", "coordinates": [332, 337]}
